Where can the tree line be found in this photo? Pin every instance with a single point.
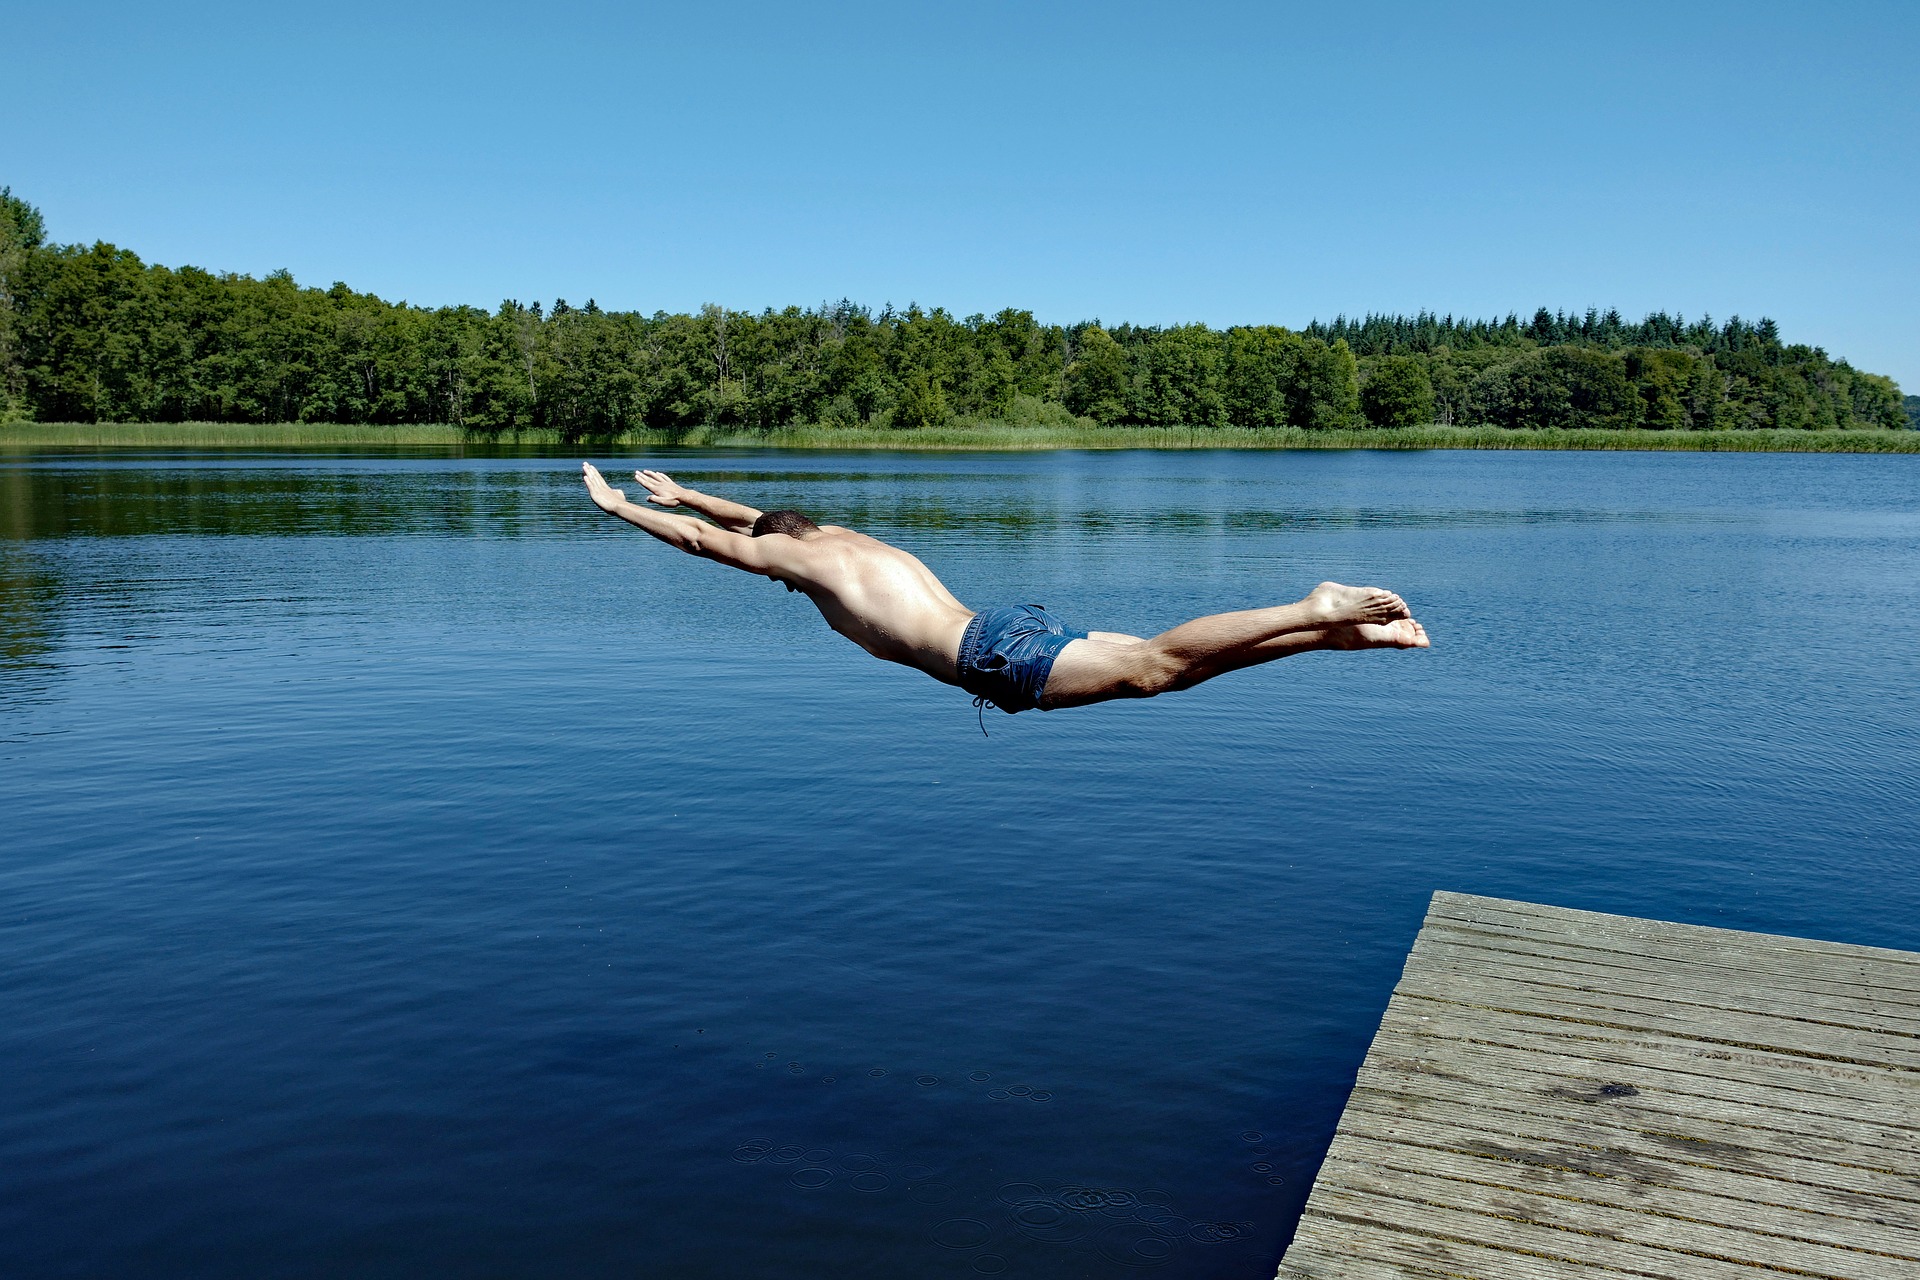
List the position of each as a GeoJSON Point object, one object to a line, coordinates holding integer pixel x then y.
{"type": "Point", "coordinates": [91, 333]}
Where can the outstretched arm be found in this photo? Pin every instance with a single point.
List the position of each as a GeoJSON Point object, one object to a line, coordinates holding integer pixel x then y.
{"type": "Point", "coordinates": [696, 537]}
{"type": "Point", "coordinates": [663, 492]}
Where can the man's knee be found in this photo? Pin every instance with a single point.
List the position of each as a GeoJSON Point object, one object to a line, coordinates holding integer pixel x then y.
{"type": "Point", "coordinates": [1155, 672]}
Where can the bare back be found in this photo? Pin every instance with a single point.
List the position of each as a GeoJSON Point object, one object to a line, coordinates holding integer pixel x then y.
{"type": "Point", "coordinates": [876, 595]}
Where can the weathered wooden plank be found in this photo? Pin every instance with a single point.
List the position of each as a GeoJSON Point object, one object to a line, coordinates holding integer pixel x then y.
{"type": "Point", "coordinates": [1892, 1051]}
{"type": "Point", "coordinates": [1577, 984]}
{"type": "Point", "coordinates": [1423, 1256]}
{"type": "Point", "coordinates": [1546, 1217]}
{"type": "Point", "coordinates": [1796, 1220]}
{"type": "Point", "coordinates": [1766, 961]}
{"type": "Point", "coordinates": [1763, 971]}
{"type": "Point", "coordinates": [1305, 1263]}
{"type": "Point", "coordinates": [1662, 1230]}
{"type": "Point", "coordinates": [1703, 1141]}
{"type": "Point", "coordinates": [1894, 970]}
{"type": "Point", "coordinates": [1805, 1080]}
{"type": "Point", "coordinates": [1616, 986]}
{"type": "Point", "coordinates": [1733, 967]}
{"type": "Point", "coordinates": [1715, 987]}
{"type": "Point", "coordinates": [1639, 1092]}
{"type": "Point", "coordinates": [1544, 1243]}
{"type": "Point", "coordinates": [1562, 1094]}
{"type": "Point", "coordinates": [1316, 1263]}
{"type": "Point", "coordinates": [1834, 1189]}
{"type": "Point", "coordinates": [1445, 900]}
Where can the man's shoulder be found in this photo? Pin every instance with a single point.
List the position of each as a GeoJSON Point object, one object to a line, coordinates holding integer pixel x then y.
{"type": "Point", "coordinates": [838, 537]}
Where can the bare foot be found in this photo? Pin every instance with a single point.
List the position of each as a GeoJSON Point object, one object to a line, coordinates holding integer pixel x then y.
{"type": "Point", "coordinates": [1403, 633]}
{"type": "Point", "coordinates": [1338, 605]}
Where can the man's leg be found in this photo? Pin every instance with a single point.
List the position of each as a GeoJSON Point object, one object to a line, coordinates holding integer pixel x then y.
{"type": "Point", "coordinates": [1108, 665]}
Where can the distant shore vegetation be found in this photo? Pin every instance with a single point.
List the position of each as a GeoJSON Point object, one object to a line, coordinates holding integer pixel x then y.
{"type": "Point", "coordinates": [958, 434]}
{"type": "Point", "coordinates": [90, 334]}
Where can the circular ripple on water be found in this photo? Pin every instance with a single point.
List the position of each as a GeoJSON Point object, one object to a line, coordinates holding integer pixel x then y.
{"type": "Point", "coordinates": [871, 1182]}
{"type": "Point", "coordinates": [877, 1072]}
{"type": "Point", "coordinates": [1276, 1180]}
{"type": "Point", "coordinates": [1039, 1095]}
{"type": "Point", "coordinates": [811, 1178]}
{"type": "Point", "coordinates": [962, 1233]}
{"type": "Point", "coordinates": [751, 1152]}
{"type": "Point", "coordinates": [1048, 1222]}
{"type": "Point", "coordinates": [998, 1095]}
{"type": "Point", "coordinates": [1251, 1135]}
{"type": "Point", "coordinates": [1261, 1166]}
{"type": "Point", "coordinates": [1018, 1193]}
{"type": "Point", "coordinates": [935, 1192]}
{"type": "Point", "coordinates": [786, 1155]}
{"type": "Point", "coordinates": [1220, 1232]}
{"type": "Point", "coordinates": [979, 1076]}
{"type": "Point", "coordinates": [915, 1172]}
{"type": "Point", "coordinates": [819, 1155]}
{"type": "Point", "coordinates": [858, 1162]}
{"type": "Point", "coordinates": [1131, 1246]}
{"type": "Point", "coordinates": [989, 1264]}
{"type": "Point", "coordinates": [1096, 1198]}
{"type": "Point", "coordinates": [1019, 1090]}
{"type": "Point", "coordinates": [927, 1081]}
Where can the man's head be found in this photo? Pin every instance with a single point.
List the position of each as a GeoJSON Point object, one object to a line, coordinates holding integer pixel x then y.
{"type": "Point", "coordinates": [791, 523]}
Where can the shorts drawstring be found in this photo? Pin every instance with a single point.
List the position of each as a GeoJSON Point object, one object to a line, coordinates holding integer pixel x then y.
{"type": "Point", "coordinates": [980, 704]}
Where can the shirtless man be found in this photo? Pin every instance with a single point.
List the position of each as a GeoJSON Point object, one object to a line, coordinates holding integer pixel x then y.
{"type": "Point", "coordinates": [1015, 657]}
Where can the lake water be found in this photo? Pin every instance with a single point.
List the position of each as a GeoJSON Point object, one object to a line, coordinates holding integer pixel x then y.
{"type": "Point", "coordinates": [409, 870]}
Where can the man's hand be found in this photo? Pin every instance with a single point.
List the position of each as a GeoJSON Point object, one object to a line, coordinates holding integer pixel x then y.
{"type": "Point", "coordinates": [604, 495]}
{"type": "Point", "coordinates": [661, 490]}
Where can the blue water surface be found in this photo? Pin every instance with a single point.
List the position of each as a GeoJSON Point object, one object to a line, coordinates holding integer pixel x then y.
{"type": "Point", "coordinates": [410, 871]}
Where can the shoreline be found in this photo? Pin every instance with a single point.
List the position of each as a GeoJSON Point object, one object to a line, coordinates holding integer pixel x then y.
{"type": "Point", "coordinates": [959, 437]}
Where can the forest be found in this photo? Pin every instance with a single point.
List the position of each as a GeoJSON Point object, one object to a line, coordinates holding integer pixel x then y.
{"type": "Point", "coordinates": [91, 333]}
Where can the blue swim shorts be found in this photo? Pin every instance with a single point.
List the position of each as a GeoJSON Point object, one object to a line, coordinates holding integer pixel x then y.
{"type": "Point", "coordinates": [1007, 654]}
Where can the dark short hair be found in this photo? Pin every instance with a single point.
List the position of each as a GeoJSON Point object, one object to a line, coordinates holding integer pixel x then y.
{"type": "Point", "coordinates": [787, 522]}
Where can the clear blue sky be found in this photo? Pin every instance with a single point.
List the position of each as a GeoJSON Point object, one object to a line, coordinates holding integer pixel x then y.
{"type": "Point", "coordinates": [1156, 163]}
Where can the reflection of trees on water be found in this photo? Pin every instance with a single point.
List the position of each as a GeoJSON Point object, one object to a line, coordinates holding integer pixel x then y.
{"type": "Point", "coordinates": [990, 518]}
{"type": "Point", "coordinates": [29, 602]}
{"type": "Point", "coordinates": [119, 502]}
{"type": "Point", "coordinates": [30, 596]}
{"type": "Point", "coordinates": [76, 501]}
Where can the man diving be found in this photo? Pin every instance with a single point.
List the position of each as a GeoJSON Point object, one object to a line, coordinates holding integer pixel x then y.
{"type": "Point", "coordinates": [1016, 657]}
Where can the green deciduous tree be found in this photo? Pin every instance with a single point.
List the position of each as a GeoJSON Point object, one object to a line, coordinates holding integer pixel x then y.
{"type": "Point", "coordinates": [22, 233]}
{"type": "Point", "coordinates": [1098, 381]}
{"type": "Point", "coordinates": [922, 403]}
{"type": "Point", "coordinates": [1326, 394]}
{"type": "Point", "coordinates": [1262, 365]}
{"type": "Point", "coordinates": [1397, 393]}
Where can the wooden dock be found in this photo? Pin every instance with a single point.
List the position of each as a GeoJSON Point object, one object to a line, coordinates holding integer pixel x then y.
{"type": "Point", "coordinates": [1559, 1093]}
